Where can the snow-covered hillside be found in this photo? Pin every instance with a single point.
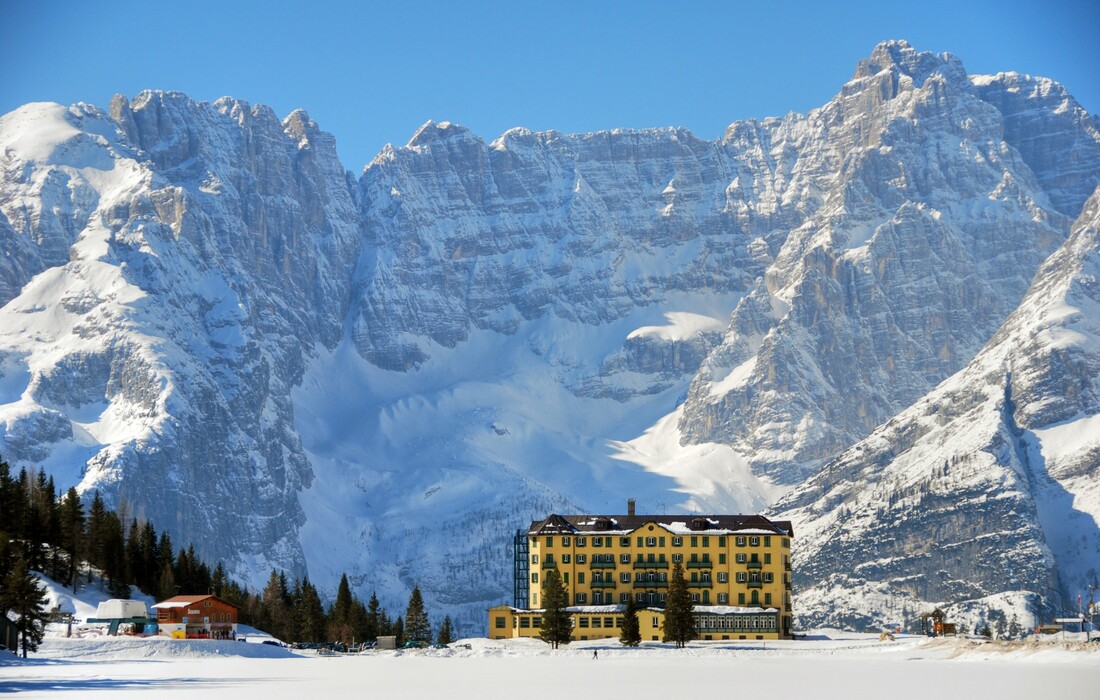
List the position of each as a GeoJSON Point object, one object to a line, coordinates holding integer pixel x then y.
{"type": "Point", "coordinates": [206, 317]}
{"type": "Point", "coordinates": [990, 483]}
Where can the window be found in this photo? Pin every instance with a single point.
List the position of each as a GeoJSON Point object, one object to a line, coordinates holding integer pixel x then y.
{"type": "Point", "coordinates": [597, 598]}
{"type": "Point", "coordinates": [580, 577]}
{"type": "Point", "coordinates": [624, 598]}
{"type": "Point", "coordinates": [565, 559]}
{"type": "Point", "coordinates": [723, 598]}
{"type": "Point", "coordinates": [740, 598]}
{"type": "Point", "coordinates": [536, 622]}
{"type": "Point", "coordinates": [706, 540]}
{"type": "Point", "coordinates": [706, 557]}
{"type": "Point", "coordinates": [694, 557]}
{"type": "Point", "coordinates": [787, 542]}
{"type": "Point", "coordinates": [741, 558]}
{"type": "Point", "coordinates": [639, 541]}
{"type": "Point", "coordinates": [624, 577]}
{"type": "Point", "coordinates": [754, 541]}
{"type": "Point", "coordinates": [767, 599]}
{"type": "Point", "coordinates": [565, 577]}
{"type": "Point", "coordinates": [564, 541]}
{"type": "Point", "coordinates": [609, 622]}
{"type": "Point", "coordinates": [619, 620]}
{"type": "Point", "coordinates": [677, 541]}
{"type": "Point", "coordinates": [694, 541]}
{"type": "Point", "coordinates": [584, 620]}
{"type": "Point", "coordinates": [677, 558]}
{"type": "Point", "coordinates": [721, 557]}
{"type": "Point", "coordinates": [660, 541]}
{"type": "Point", "coordinates": [499, 622]}
{"type": "Point", "coordinates": [582, 598]}
{"type": "Point", "coordinates": [723, 577]}
{"type": "Point", "coordinates": [534, 559]}
{"type": "Point", "coordinates": [597, 622]}
{"type": "Point", "coordinates": [754, 577]}
{"type": "Point", "coordinates": [663, 598]}
{"type": "Point", "coordinates": [722, 541]}
{"type": "Point", "coordinates": [767, 541]}
{"type": "Point", "coordinates": [525, 622]}
{"type": "Point", "coordinates": [624, 558]}
{"type": "Point", "coordinates": [534, 577]}
{"type": "Point", "coordinates": [767, 577]}
{"type": "Point", "coordinates": [624, 541]}
{"type": "Point", "coordinates": [582, 558]}
{"type": "Point", "coordinates": [767, 557]}
{"type": "Point", "coordinates": [534, 542]}
{"type": "Point", "coordinates": [740, 541]}
{"type": "Point", "coordinates": [695, 597]}
{"type": "Point", "coordinates": [597, 541]}
{"type": "Point", "coordinates": [580, 542]}
{"type": "Point", "coordinates": [661, 556]}
{"type": "Point", "coordinates": [742, 577]}
{"type": "Point", "coordinates": [549, 541]}
{"type": "Point", "coordinates": [651, 542]}
{"type": "Point", "coordinates": [535, 599]}
{"type": "Point", "coordinates": [705, 576]}
{"type": "Point", "coordinates": [656, 622]}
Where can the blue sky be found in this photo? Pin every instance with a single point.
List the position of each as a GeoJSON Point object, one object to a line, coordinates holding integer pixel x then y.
{"type": "Point", "coordinates": [372, 72]}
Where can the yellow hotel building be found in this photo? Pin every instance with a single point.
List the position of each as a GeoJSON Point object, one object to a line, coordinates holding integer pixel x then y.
{"type": "Point", "coordinates": [737, 568]}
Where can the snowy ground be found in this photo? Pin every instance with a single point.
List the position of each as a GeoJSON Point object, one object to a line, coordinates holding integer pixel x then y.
{"type": "Point", "coordinates": [834, 665]}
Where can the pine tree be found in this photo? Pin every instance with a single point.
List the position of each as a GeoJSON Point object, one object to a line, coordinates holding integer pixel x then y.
{"type": "Point", "coordinates": [21, 594]}
{"type": "Point", "coordinates": [398, 631]}
{"type": "Point", "coordinates": [679, 624]}
{"type": "Point", "coordinates": [373, 624]}
{"type": "Point", "coordinates": [417, 626]}
{"type": "Point", "coordinates": [631, 634]}
{"type": "Point", "coordinates": [446, 633]}
{"type": "Point", "coordinates": [71, 534]}
{"type": "Point", "coordinates": [275, 615]}
{"type": "Point", "coordinates": [311, 614]}
{"type": "Point", "coordinates": [556, 626]}
{"type": "Point", "coordinates": [339, 615]}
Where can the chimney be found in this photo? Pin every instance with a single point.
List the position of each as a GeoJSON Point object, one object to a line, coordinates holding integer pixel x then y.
{"type": "Point", "coordinates": [630, 506]}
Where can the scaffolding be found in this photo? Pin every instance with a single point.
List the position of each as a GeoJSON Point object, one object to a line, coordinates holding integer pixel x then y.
{"type": "Point", "coordinates": [521, 588]}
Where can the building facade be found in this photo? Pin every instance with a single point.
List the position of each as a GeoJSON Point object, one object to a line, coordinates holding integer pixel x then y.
{"type": "Point", "coordinates": [737, 568]}
{"type": "Point", "coordinates": [197, 617]}
{"type": "Point", "coordinates": [606, 621]}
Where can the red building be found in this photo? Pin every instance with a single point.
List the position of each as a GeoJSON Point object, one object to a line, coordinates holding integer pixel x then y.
{"type": "Point", "coordinates": [197, 617]}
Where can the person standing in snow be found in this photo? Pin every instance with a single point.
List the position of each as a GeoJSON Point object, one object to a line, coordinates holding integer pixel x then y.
{"type": "Point", "coordinates": [595, 654]}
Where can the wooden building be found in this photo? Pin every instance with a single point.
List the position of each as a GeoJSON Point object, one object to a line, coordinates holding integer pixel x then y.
{"type": "Point", "coordinates": [197, 617]}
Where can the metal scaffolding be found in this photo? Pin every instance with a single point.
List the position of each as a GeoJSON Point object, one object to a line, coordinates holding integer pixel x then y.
{"type": "Point", "coordinates": [522, 570]}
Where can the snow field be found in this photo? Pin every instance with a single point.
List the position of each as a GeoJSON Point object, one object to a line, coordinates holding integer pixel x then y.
{"type": "Point", "coordinates": [834, 665]}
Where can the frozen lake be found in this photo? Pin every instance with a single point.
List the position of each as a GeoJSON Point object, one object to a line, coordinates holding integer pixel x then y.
{"type": "Point", "coordinates": [837, 665]}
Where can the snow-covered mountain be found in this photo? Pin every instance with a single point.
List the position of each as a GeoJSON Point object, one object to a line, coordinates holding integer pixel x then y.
{"type": "Point", "coordinates": [985, 494]}
{"type": "Point", "coordinates": [207, 318]}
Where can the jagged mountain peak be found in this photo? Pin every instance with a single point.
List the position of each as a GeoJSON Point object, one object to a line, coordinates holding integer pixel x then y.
{"type": "Point", "coordinates": [432, 131]}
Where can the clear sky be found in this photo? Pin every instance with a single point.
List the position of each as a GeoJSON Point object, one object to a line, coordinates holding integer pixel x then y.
{"type": "Point", "coordinates": [372, 72]}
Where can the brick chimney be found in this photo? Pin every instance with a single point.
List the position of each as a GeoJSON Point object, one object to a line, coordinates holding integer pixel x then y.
{"type": "Point", "coordinates": [630, 506]}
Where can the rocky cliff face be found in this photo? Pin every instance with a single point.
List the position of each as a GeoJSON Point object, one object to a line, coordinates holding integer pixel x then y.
{"type": "Point", "coordinates": [188, 258]}
{"type": "Point", "coordinates": [987, 485]}
{"type": "Point", "coordinates": [474, 333]}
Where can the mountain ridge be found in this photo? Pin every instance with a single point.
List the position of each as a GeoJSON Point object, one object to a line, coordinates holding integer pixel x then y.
{"type": "Point", "coordinates": [200, 292]}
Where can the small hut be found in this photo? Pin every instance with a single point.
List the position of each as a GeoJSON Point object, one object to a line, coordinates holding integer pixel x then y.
{"type": "Point", "coordinates": [934, 624]}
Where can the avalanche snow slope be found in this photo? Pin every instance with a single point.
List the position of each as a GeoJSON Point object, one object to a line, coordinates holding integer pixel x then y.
{"type": "Point", "coordinates": [923, 225]}
{"type": "Point", "coordinates": [983, 496]}
{"type": "Point", "coordinates": [169, 266]}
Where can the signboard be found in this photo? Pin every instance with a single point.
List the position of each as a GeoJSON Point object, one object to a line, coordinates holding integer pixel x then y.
{"type": "Point", "coordinates": [1064, 620]}
{"type": "Point", "coordinates": [194, 612]}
